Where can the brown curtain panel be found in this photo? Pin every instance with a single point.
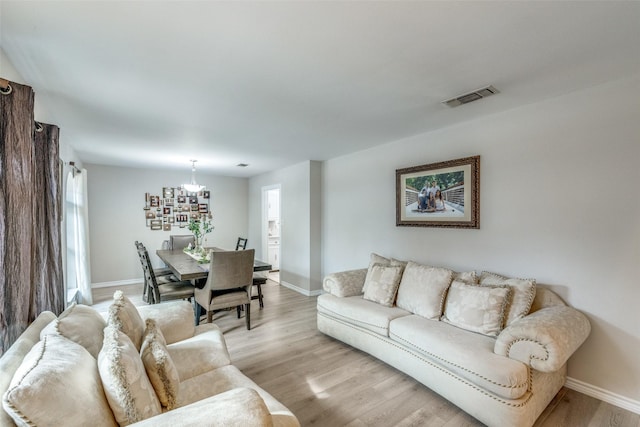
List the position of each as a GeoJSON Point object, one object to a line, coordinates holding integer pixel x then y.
{"type": "Point", "coordinates": [27, 234]}
{"type": "Point", "coordinates": [47, 268]}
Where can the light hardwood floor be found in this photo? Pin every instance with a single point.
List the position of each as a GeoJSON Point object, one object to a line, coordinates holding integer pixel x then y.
{"type": "Point", "coordinates": [327, 383]}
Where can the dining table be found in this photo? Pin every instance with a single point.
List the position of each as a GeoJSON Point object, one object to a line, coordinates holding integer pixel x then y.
{"type": "Point", "coordinates": [186, 267]}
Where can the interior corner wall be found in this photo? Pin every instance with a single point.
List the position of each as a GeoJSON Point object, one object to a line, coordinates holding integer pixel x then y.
{"type": "Point", "coordinates": [300, 223]}
{"type": "Point", "coordinates": [117, 220]}
{"type": "Point", "coordinates": [558, 202]}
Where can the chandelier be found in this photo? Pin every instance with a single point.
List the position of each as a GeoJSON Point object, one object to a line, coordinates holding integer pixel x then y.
{"type": "Point", "coordinates": [193, 187]}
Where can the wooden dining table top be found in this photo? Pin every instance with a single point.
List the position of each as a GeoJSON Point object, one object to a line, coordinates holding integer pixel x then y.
{"type": "Point", "coordinates": [185, 267]}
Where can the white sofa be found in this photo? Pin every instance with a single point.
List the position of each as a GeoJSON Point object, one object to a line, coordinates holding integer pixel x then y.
{"type": "Point", "coordinates": [74, 371]}
{"type": "Point", "coordinates": [438, 327]}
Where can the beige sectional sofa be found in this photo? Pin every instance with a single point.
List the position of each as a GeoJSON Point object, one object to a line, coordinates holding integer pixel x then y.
{"type": "Point", "coordinates": [146, 366]}
{"type": "Point", "coordinates": [494, 346]}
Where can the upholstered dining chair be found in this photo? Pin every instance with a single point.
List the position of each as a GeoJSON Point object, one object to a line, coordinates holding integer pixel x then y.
{"type": "Point", "coordinates": [228, 283]}
{"type": "Point", "coordinates": [163, 288]}
{"type": "Point", "coordinates": [181, 241]}
{"type": "Point", "coordinates": [241, 244]}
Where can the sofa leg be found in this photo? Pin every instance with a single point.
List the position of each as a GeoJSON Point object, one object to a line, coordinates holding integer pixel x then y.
{"type": "Point", "coordinates": [248, 316]}
{"type": "Point", "coordinates": [238, 310]}
{"type": "Point", "coordinates": [210, 316]}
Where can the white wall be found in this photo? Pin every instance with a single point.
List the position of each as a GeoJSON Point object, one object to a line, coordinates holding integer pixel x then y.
{"type": "Point", "coordinates": [300, 223]}
{"type": "Point", "coordinates": [116, 217]}
{"type": "Point", "coordinates": [559, 203]}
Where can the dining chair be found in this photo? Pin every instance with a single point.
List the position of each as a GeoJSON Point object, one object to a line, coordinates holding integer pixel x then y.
{"type": "Point", "coordinates": [181, 241]}
{"type": "Point", "coordinates": [258, 280]}
{"type": "Point", "coordinates": [241, 244]}
{"type": "Point", "coordinates": [160, 289]}
{"type": "Point", "coordinates": [228, 283]}
{"type": "Point", "coordinates": [162, 275]}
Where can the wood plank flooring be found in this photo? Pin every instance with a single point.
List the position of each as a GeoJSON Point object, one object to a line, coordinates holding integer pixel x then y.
{"type": "Point", "coordinates": [327, 383]}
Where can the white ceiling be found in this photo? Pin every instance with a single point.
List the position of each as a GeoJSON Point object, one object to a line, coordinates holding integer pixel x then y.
{"type": "Point", "coordinates": [154, 84]}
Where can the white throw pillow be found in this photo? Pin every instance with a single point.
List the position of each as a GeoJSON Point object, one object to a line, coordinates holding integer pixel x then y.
{"type": "Point", "coordinates": [522, 296]}
{"type": "Point", "coordinates": [382, 283]}
{"type": "Point", "coordinates": [477, 308]}
{"type": "Point", "coordinates": [378, 259]}
{"type": "Point", "coordinates": [468, 277]}
{"type": "Point", "coordinates": [56, 384]}
{"type": "Point", "coordinates": [81, 324]}
{"type": "Point", "coordinates": [129, 391]}
{"type": "Point", "coordinates": [161, 370]}
{"type": "Point", "coordinates": [423, 289]}
{"type": "Point", "coordinates": [124, 315]}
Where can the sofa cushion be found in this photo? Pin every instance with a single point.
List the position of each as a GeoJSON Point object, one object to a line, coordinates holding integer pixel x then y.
{"type": "Point", "coordinates": [239, 407]}
{"type": "Point", "coordinates": [477, 308]}
{"type": "Point", "coordinates": [57, 383]}
{"type": "Point", "coordinates": [382, 283]}
{"type": "Point", "coordinates": [378, 259]}
{"type": "Point", "coordinates": [523, 294]}
{"type": "Point", "coordinates": [124, 315]}
{"type": "Point", "coordinates": [229, 378]}
{"type": "Point", "coordinates": [467, 354]}
{"type": "Point", "coordinates": [358, 311]}
{"type": "Point", "coordinates": [81, 324]}
{"type": "Point", "coordinates": [203, 352]}
{"type": "Point", "coordinates": [160, 368]}
{"type": "Point", "coordinates": [423, 289]}
{"type": "Point", "coordinates": [128, 389]}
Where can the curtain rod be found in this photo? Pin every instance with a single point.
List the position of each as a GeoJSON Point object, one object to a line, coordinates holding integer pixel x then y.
{"type": "Point", "coordinates": [5, 87]}
{"type": "Point", "coordinates": [74, 169]}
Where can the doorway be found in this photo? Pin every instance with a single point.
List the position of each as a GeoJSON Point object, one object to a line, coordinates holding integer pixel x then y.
{"type": "Point", "coordinates": [272, 230]}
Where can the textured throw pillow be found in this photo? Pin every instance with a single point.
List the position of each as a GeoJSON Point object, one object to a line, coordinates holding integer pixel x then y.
{"type": "Point", "coordinates": [378, 259]}
{"type": "Point", "coordinates": [468, 277]}
{"type": "Point", "coordinates": [128, 389]}
{"type": "Point", "coordinates": [477, 308]}
{"type": "Point", "coordinates": [161, 370]}
{"type": "Point", "coordinates": [523, 293]}
{"type": "Point", "coordinates": [81, 324]}
{"type": "Point", "coordinates": [423, 289]}
{"type": "Point", "coordinates": [382, 283]}
{"type": "Point", "coordinates": [124, 315]}
{"type": "Point", "coordinates": [57, 384]}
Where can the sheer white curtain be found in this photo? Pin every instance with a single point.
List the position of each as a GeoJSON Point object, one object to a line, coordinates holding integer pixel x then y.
{"type": "Point", "coordinates": [78, 268]}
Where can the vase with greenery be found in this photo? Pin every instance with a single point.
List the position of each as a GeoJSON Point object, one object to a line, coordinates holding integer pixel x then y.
{"type": "Point", "coordinates": [200, 228]}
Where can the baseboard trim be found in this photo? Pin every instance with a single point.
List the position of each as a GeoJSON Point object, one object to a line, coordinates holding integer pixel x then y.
{"type": "Point", "coordinates": [117, 283]}
{"type": "Point", "coordinates": [604, 395]}
{"type": "Point", "coordinates": [300, 290]}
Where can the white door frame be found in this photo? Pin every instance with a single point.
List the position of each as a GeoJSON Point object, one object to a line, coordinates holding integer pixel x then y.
{"type": "Point", "coordinates": [265, 219]}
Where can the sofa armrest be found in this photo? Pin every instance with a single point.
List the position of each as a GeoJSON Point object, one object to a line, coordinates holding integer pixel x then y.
{"type": "Point", "coordinates": [345, 283]}
{"type": "Point", "coordinates": [237, 407]}
{"type": "Point", "coordinates": [174, 318]}
{"type": "Point", "coordinates": [545, 339]}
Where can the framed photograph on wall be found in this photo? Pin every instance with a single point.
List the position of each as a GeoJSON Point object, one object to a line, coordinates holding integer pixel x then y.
{"type": "Point", "coordinates": [444, 194]}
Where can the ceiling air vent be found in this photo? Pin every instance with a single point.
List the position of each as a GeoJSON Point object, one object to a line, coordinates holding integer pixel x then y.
{"type": "Point", "coordinates": [471, 96]}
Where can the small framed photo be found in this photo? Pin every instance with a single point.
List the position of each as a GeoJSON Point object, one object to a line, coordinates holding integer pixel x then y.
{"type": "Point", "coordinates": [193, 200]}
{"type": "Point", "coordinates": [166, 211]}
{"type": "Point", "coordinates": [182, 199]}
{"type": "Point", "coordinates": [206, 194]}
{"type": "Point", "coordinates": [166, 227]}
{"type": "Point", "coordinates": [168, 202]}
{"type": "Point", "coordinates": [444, 194]}
{"type": "Point", "coordinates": [195, 216]}
{"type": "Point", "coordinates": [186, 208]}
{"type": "Point", "coordinates": [154, 201]}
{"type": "Point", "coordinates": [171, 219]}
{"type": "Point", "coordinates": [156, 224]}
{"type": "Point", "coordinates": [150, 215]}
{"type": "Point", "coordinates": [167, 192]}
{"type": "Point", "coordinates": [194, 207]}
{"type": "Point", "coordinates": [203, 208]}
